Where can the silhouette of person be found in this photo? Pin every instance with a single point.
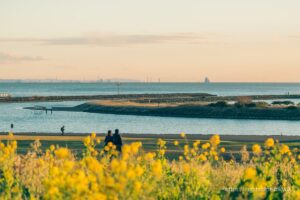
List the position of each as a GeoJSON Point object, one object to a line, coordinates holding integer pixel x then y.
{"type": "Point", "coordinates": [11, 127]}
{"type": "Point", "coordinates": [62, 129]}
{"type": "Point", "coordinates": [108, 138]}
{"type": "Point", "coordinates": [117, 140]}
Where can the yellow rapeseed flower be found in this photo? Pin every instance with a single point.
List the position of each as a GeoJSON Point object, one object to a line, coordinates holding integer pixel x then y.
{"type": "Point", "coordinates": [149, 156]}
{"type": "Point", "coordinates": [94, 153]}
{"type": "Point", "coordinates": [198, 142]}
{"type": "Point", "coordinates": [123, 166]}
{"type": "Point", "coordinates": [293, 160]}
{"type": "Point", "coordinates": [137, 186]}
{"type": "Point", "coordinates": [10, 134]}
{"type": "Point", "coordinates": [256, 149]}
{"type": "Point", "coordinates": [157, 168]}
{"type": "Point", "coordinates": [55, 171]}
{"type": "Point", "coordinates": [109, 181]}
{"type": "Point", "coordinates": [135, 147]}
{"type": "Point", "coordinates": [182, 134]}
{"type": "Point", "coordinates": [93, 135]}
{"type": "Point", "coordinates": [126, 149]}
{"type": "Point", "coordinates": [202, 157]}
{"type": "Point", "coordinates": [186, 148]}
{"type": "Point", "coordinates": [87, 141]}
{"type": "Point", "coordinates": [135, 173]}
{"type": "Point", "coordinates": [14, 144]}
{"type": "Point", "coordinates": [193, 152]}
{"type": "Point", "coordinates": [215, 140]}
{"type": "Point", "coordinates": [284, 149]}
{"type": "Point", "coordinates": [68, 165]}
{"type": "Point", "coordinates": [269, 142]}
{"type": "Point", "coordinates": [115, 165]}
{"type": "Point", "coordinates": [110, 144]}
{"type": "Point", "coordinates": [2, 145]}
{"type": "Point", "coordinates": [162, 152]}
{"type": "Point", "coordinates": [139, 158]}
{"type": "Point", "coordinates": [93, 164]}
{"type": "Point", "coordinates": [52, 147]}
{"type": "Point", "coordinates": [205, 146]}
{"type": "Point", "coordinates": [216, 157]}
{"type": "Point", "coordinates": [161, 143]}
{"type": "Point", "coordinates": [52, 192]}
{"type": "Point", "coordinates": [106, 148]}
{"type": "Point", "coordinates": [249, 173]}
{"type": "Point", "coordinates": [62, 153]}
{"type": "Point", "coordinates": [186, 168]}
{"type": "Point", "coordinates": [296, 194]}
{"type": "Point", "coordinates": [139, 170]}
{"type": "Point", "coordinates": [131, 174]}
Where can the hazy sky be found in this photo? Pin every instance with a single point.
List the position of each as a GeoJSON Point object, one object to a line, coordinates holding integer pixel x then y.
{"type": "Point", "coordinates": [174, 40]}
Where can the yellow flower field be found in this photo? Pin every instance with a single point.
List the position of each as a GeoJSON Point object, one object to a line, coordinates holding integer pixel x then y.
{"type": "Point", "coordinates": [270, 172]}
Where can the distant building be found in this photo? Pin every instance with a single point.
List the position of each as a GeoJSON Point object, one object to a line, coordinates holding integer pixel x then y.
{"type": "Point", "coordinates": [4, 95]}
{"type": "Point", "coordinates": [206, 80]}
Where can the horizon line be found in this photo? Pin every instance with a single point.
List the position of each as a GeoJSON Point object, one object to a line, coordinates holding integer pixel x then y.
{"type": "Point", "coordinates": [129, 81]}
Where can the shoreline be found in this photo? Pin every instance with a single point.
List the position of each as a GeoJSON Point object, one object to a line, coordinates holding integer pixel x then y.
{"type": "Point", "coordinates": [232, 143]}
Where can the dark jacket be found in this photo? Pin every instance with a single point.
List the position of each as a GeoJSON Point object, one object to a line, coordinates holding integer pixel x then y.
{"type": "Point", "coordinates": [108, 139]}
{"type": "Point", "coordinates": [117, 141]}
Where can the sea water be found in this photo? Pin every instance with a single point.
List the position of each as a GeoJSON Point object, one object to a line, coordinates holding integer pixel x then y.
{"type": "Point", "coordinates": [224, 89]}
{"type": "Point", "coordinates": [79, 122]}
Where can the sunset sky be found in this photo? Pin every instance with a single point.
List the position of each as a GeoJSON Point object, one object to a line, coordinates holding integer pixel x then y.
{"type": "Point", "coordinates": [170, 40]}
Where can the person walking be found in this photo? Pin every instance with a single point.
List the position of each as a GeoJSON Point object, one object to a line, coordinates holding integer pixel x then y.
{"type": "Point", "coordinates": [11, 127]}
{"type": "Point", "coordinates": [62, 129]}
{"type": "Point", "coordinates": [117, 140]}
{"type": "Point", "coordinates": [108, 138]}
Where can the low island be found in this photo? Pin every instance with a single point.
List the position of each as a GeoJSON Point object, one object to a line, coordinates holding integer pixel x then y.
{"type": "Point", "coordinates": [241, 107]}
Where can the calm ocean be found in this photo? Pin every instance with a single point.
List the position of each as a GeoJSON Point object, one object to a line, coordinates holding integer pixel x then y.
{"type": "Point", "coordinates": [29, 121]}
{"type": "Point", "coordinates": [30, 89]}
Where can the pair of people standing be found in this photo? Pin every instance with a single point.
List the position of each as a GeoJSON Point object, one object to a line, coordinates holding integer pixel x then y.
{"type": "Point", "coordinates": [115, 139]}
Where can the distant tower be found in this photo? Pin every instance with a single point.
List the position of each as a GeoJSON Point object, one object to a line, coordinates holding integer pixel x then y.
{"type": "Point", "coordinates": [206, 80]}
{"type": "Point", "coordinates": [118, 84]}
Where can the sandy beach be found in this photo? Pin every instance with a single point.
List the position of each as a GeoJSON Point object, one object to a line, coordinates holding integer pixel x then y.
{"type": "Point", "coordinates": [135, 136]}
{"type": "Point", "coordinates": [74, 141]}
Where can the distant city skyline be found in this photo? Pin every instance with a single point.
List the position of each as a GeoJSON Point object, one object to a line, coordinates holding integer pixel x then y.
{"type": "Point", "coordinates": [154, 80]}
{"type": "Point", "coordinates": [170, 41]}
